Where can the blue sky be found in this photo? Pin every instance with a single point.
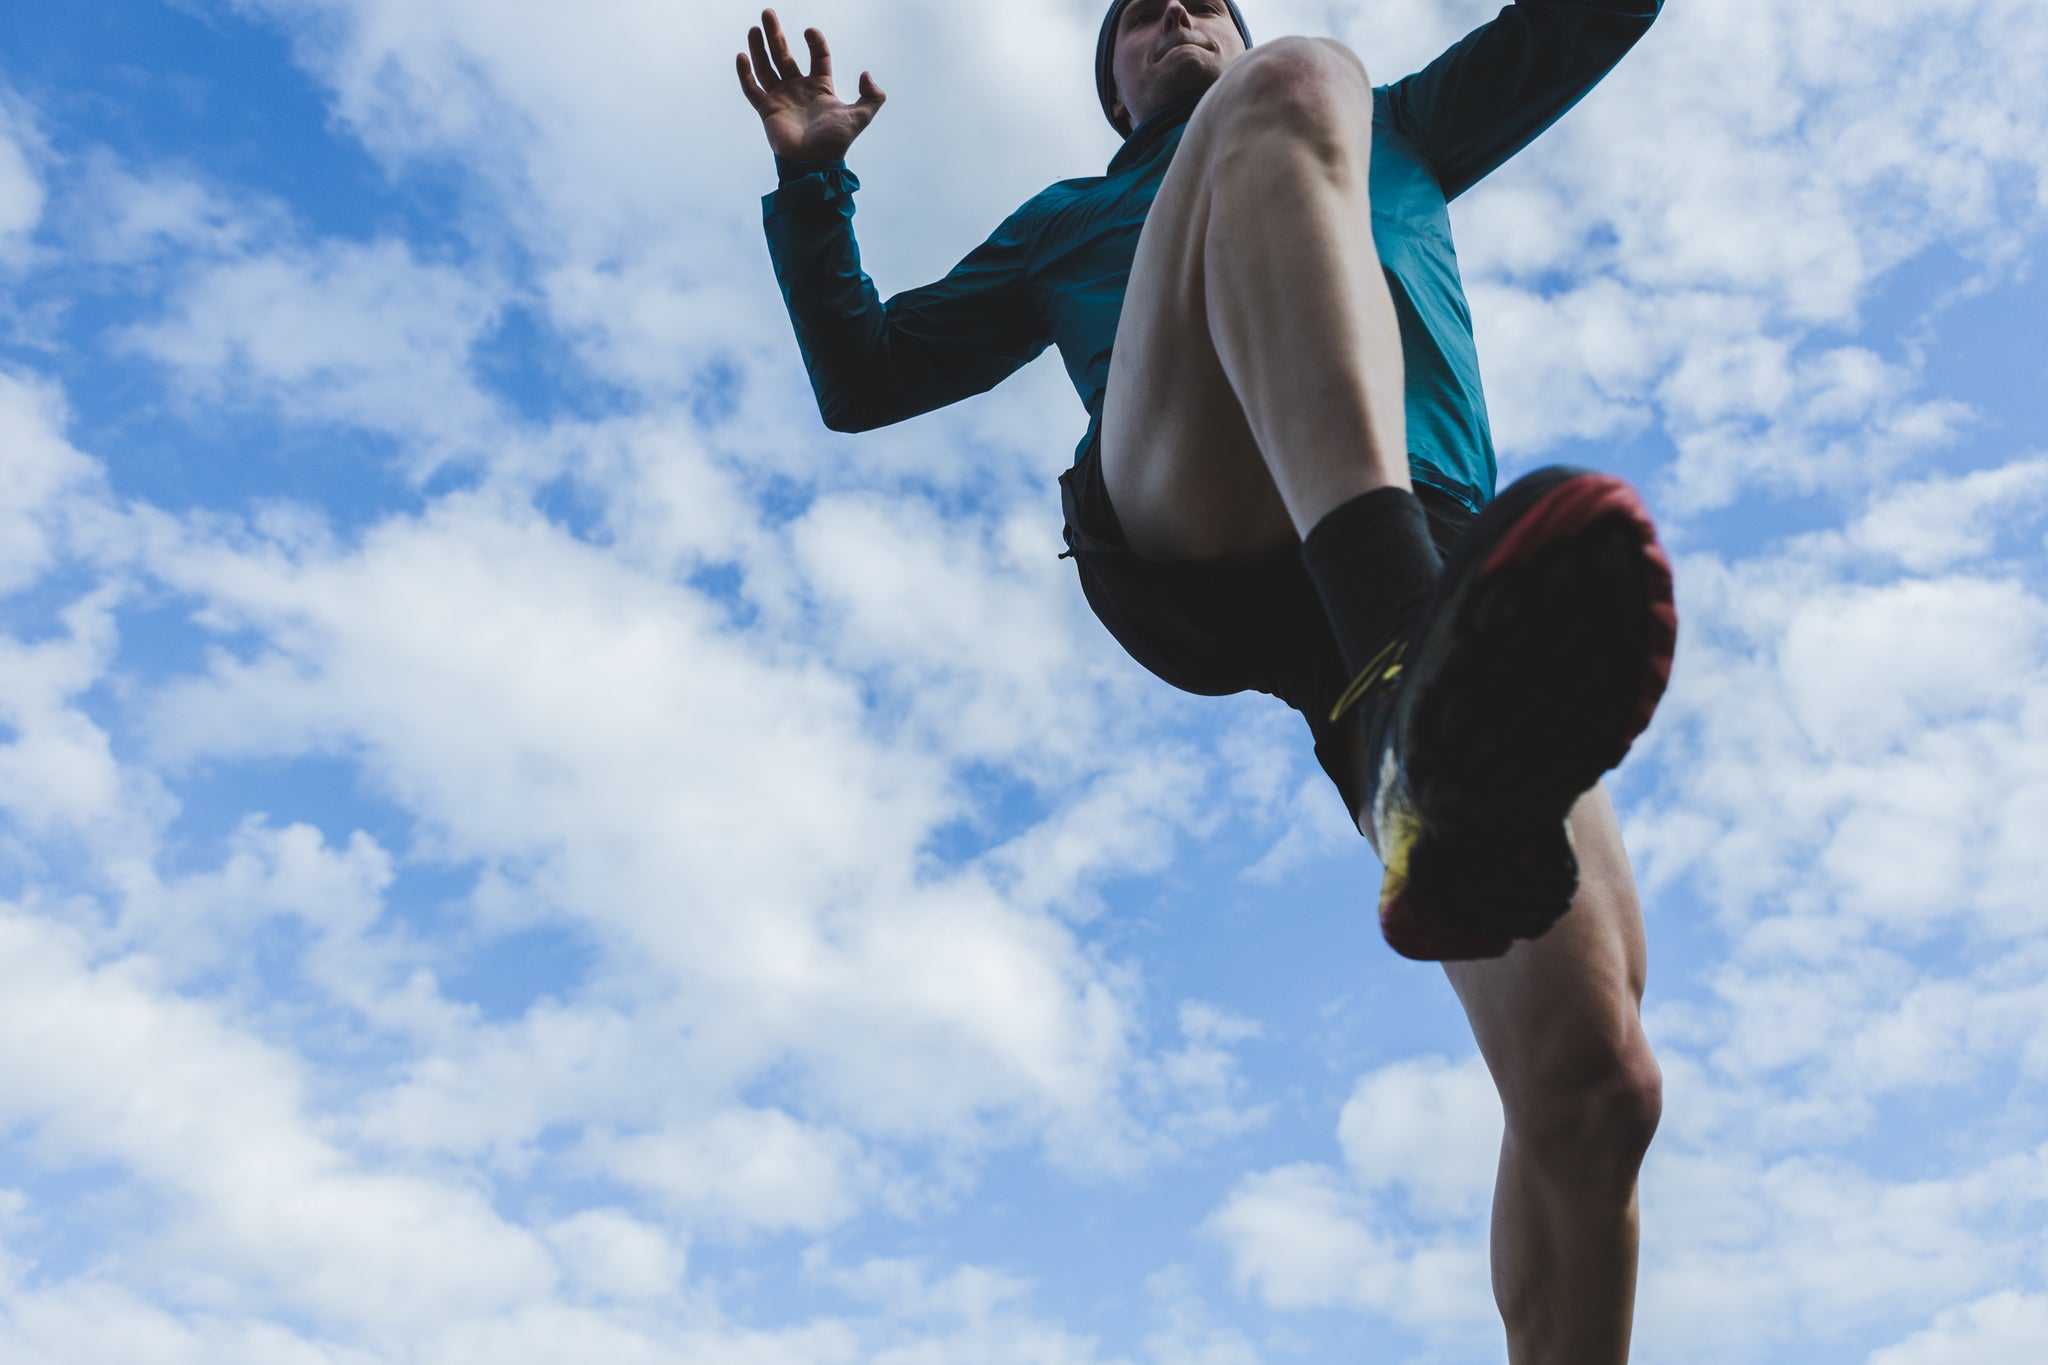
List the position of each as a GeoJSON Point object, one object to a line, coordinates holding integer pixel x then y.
{"type": "Point", "coordinates": [517, 844]}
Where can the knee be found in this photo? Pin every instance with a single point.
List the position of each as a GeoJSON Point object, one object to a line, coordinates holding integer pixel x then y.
{"type": "Point", "coordinates": [1311, 92]}
{"type": "Point", "coordinates": [1596, 1129]}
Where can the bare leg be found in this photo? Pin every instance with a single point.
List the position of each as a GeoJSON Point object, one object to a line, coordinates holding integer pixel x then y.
{"type": "Point", "coordinates": [1257, 381]}
{"type": "Point", "coordinates": [1559, 1023]}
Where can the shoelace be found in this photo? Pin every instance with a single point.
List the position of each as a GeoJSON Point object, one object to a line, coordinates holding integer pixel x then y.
{"type": "Point", "coordinates": [1379, 677]}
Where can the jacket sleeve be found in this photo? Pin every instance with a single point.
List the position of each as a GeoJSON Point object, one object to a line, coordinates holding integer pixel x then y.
{"type": "Point", "coordinates": [873, 363]}
{"type": "Point", "coordinates": [1495, 92]}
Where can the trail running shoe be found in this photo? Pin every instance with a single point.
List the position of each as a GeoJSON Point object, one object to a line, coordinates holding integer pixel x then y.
{"type": "Point", "coordinates": [1538, 659]}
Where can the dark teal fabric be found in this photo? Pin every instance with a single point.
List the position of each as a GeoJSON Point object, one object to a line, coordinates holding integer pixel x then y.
{"type": "Point", "coordinates": [1055, 272]}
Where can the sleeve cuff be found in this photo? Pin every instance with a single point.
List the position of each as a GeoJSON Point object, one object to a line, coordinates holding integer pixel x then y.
{"type": "Point", "coordinates": [787, 170]}
{"type": "Point", "coordinates": [813, 185]}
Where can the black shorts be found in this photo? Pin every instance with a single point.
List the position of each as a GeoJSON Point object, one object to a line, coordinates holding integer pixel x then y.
{"type": "Point", "coordinates": [1214, 628]}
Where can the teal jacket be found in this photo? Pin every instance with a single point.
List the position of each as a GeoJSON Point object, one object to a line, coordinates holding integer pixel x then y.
{"type": "Point", "coordinates": [1055, 272]}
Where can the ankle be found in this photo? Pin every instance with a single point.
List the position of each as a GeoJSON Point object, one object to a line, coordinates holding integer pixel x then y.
{"type": "Point", "coordinates": [1373, 564]}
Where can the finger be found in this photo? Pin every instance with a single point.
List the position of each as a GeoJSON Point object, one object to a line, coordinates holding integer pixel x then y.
{"type": "Point", "coordinates": [821, 56]}
{"type": "Point", "coordinates": [749, 87]}
{"type": "Point", "coordinates": [763, 68]}
{"type": "Point", "coordinates": [870, 103]}
{"type": "Point", "coordinates": [778, 47]}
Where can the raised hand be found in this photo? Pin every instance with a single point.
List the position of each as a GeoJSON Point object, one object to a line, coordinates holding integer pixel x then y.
{"type": "Point", "coordinates": [803, 116]}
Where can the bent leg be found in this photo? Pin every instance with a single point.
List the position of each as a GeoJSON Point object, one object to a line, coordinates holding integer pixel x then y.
{"type": "Point", "coordinates": [1257, 381]}
{"type": "Point", "coordinates": [1559, 1023]}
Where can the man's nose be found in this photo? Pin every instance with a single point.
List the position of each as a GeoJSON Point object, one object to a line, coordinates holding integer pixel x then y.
{"type": "Point", "coordinates": [1177, 13]}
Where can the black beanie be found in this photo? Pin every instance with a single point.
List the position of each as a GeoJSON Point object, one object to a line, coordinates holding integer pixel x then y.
{"type": "Point", "coordinates": [1105, 55]}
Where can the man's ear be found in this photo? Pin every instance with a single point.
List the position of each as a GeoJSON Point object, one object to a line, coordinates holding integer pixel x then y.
{"type": "Point", "coordinates": [1117, 110]}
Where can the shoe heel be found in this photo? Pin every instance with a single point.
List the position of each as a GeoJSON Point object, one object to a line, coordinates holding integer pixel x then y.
{"type": "Point", "coordinates": [1507, 884]}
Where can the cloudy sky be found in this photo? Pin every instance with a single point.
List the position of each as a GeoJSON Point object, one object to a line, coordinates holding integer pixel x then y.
{"type": "Point", "coordinates": [517, 845]}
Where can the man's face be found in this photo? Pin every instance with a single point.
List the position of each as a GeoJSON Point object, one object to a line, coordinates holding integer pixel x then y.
{"type": "Point", "coordinates": [1169, 49]}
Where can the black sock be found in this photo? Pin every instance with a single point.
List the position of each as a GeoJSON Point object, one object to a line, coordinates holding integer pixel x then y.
{"type": "Point", "coordinates": [1373, 563]}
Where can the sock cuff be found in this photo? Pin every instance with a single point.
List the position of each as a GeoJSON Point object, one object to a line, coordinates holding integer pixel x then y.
{"type": "Point", "coordinates": [1373, 564]}
{"type": "Point", "coordinates": [1380, 512]}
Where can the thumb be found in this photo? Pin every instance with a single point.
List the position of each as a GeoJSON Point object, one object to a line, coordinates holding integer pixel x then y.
{"type": "Point", "coordinates": [872, 96]}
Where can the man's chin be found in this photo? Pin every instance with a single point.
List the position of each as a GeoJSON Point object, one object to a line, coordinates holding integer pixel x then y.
{"type": "Point", "coordinates": [1187, 65]}
{"type": "Point", "coordinates": [1187, 80]}
{"type": "Point", "coordinates": [1181, 55]}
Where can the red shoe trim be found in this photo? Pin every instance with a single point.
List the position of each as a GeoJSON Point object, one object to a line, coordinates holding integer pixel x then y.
{"type": "Point", "coordinates": [1568, 508]}
{"type": "Point", "coordinates": [1571, 507]}
{"type": "Point", "coordinates": [1661, 646]}
{"type": "Point", "coordinates": [1420, 939]}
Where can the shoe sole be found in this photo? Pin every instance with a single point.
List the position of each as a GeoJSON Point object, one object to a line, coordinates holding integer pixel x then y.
{"type": "Point", "coordinates": [1555, 655]}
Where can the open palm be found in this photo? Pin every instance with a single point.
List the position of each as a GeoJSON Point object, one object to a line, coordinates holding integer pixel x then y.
{"type": "Point", "coordinates": [804, 117]}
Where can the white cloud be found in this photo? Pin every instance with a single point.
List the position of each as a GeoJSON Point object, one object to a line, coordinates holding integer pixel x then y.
{"type": "Point", "coordinates": [1191, 1333]}
{"type": "Point", "coordinates": [1300, 1237]}
{"type": "Point", "coordinates": [1934, 524]}
{"type": "Point", "coordinates": [1865, 668]}
{"type": "Point", "coordinates": [59, 778]}
{"type": "Point", "coordinates": [210, 921]}
{"type": "Point", "coordinates": [1294, 1237]}
{"type": "Point", "coordinates": [88, 1322]}
{"type": "Point", "coordinates": [2004, 1329]}
{"type": "Point", "coordinates": [1867, 745]}
{"type": "Point", "coordinates": [1313, 1236]}
{"type": "Point", "coordinates": [908, 597]}
{"type": "Point", "coordinates": [38, 468]}
{"type": "Point", "coordinates": [973, 1315]}
{"type": "Point", "coordinates": [1814, 1247]}
{"type": "Point", "coordinates": [103, 1069]}
{"type": "Point", "coordinates": [1202, 1085]}
{"type": "Point", "coordinates": [21, 187]}
{"type": "Point", "coordinates": [125, 216]}
{"type": "Point", "coordinates": [609, 1254]}
{"type": "Point", "coordinates": [758, 1169]}
{"type": "Point", "coordinates": [1430, 1128]}
{"type": "Point", "coordinates": [363, 336]}
{"type": "Point", "coordinates": [604, 742]}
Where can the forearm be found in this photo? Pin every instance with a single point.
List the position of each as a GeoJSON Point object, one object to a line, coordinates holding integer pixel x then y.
{"type": "Point", "coordinates": [1498, 89]}
{"type": "Point", "coordinates": [872, 363]}
{"type": "Point", "coordinates": [833, 306]}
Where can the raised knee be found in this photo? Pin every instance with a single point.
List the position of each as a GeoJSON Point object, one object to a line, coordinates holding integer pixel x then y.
{"type": "Point", "coordinates": [1596, 1129]}
{"type": "Point", "coordinates": [1311, 90]}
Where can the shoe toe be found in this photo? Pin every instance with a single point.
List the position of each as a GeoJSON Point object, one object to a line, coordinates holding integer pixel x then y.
{"type": "Point", "coordinates": [1420, 938]}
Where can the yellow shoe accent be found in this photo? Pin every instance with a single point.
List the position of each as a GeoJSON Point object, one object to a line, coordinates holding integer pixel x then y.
{"type": "Point", "coordinates": [1396, 826]}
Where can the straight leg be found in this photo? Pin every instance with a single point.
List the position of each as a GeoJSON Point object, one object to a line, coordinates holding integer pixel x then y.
{"type": "Point", "coordinates": [1564, 1263]}
{"type": "Point", "coordinates": [1559, 1023]}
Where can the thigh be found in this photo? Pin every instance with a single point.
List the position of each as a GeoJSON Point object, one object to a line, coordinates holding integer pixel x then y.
{"type": "Point", "coordinates": [1178, 456]}
{"type": "Point", "coordinates": [1561, 1015]}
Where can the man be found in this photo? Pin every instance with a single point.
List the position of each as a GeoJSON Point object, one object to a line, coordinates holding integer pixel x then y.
{"type": "Point", "coordinates": [1286, 485]}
